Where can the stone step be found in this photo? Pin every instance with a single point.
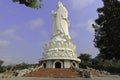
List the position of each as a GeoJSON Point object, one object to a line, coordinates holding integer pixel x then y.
{"type": "Point", "coordinates": [54, 73]}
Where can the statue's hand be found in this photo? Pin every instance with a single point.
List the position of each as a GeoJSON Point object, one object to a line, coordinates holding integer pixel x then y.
{"type": "Point", "coordinates": [53, 12]}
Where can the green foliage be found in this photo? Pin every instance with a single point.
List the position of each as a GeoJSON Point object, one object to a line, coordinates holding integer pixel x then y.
{"type": "Point", "coordinates": [33, 5]}
{"type": "Point", "coordinates": [2, 69]}
{"type": "Point", "coordinates": [95, 61]}
{"type": "Point", "coordinates": [107, 30]}
{"type": "Point", "coordinates": [85, 57]}
{"type": "Point", "coordinates": [1, 62]}
{"type": "Point", "coordinates": [21, 66]}
{"type": "Point", "coordinates": [85, 60]}
{"type": "Point", "coordinates": [15, 0]}
{"type": "Point", "coordinates": [98, 63]}
{"type": "Point", "coordinates": [110, 66]}
{"type": "Point", "coordinates": [16, 67]}
{"type": "Point", "coordinates": [30, 3]}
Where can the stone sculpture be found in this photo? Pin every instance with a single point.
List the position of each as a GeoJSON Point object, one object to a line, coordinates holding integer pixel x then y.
{"type": "Point", "coordinates": [60, 20]}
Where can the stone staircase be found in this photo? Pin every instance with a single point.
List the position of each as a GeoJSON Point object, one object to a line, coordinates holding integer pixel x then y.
{"type": "Point", "coordinates": [54, 73]}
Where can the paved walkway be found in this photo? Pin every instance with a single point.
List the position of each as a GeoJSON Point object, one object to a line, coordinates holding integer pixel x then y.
{"type": "Point", "coordinates": [110, 77]}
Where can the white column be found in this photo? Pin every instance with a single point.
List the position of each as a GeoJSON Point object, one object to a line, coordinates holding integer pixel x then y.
{"type": "Point", "coordinates": [49, 64]}
{"type": "Point", "coordinates": [66, 64]}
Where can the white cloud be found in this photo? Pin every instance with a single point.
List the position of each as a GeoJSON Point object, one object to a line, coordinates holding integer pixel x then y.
{"type": "Point", "coordinates": [44, 33]}
{"type": "Point", "coordinates": [8, 60]}
{"type": "Point", "coordinates": [8, 32]}
{"type": "Point", "coordinates": [36, 23]}
{"type": "Point", "coordinates": [4, 43]}
{"type": "Point", "coordinates": [80, 4]}
{"type": "Point", "coordinates": [11, 34]}
{"type": "Point", "coordinates": [73, 34]}
{"type": "Point", "coordinates": [90, 49]}
{"type": "Point", "coordinates": [81, 25]}
{"type": "Point", "coordinates": [89, 26]}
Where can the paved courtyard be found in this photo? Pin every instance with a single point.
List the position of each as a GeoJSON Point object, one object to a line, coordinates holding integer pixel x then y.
{"type": "Point", "coordinates": [110, 77]}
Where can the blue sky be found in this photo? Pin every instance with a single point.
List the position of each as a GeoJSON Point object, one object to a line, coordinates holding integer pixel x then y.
{"type": "Point", "coordinates": [24, 31]}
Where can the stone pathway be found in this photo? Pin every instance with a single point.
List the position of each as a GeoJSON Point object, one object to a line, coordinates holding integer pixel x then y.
{"type": "Point", "coordinates": [110, 77]}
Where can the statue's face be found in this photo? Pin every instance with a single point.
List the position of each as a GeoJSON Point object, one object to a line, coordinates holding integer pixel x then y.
{"type": "Point", "coordinates": [59, 4]}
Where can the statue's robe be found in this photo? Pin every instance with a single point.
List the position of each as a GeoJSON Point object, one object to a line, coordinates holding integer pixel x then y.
{"type": "Point", "coordinates": [60, 20]}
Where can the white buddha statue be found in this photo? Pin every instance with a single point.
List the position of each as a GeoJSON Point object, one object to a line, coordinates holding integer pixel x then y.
{"type": "Point", "coordinates": [60, 20]}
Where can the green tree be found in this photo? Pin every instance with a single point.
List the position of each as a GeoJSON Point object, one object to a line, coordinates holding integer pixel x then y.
{"type": "Point", "coordinates": [30, 3]}
{"type": "Point", "coordinates": [85, 60]}
{"type": "Point", "coordinates": [21, 66]}
{"type": "Point", "coordinates": [1, 62]}
{"type": "Point", "coordinates": [107, 30]}
{"type": "Point", "coordinates": [85, 57]}
{"type": "Point", "coordinates": [2, 69]}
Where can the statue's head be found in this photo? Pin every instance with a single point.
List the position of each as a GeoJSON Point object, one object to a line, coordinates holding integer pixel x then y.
{"type": "Point", "coordinates": [59, 4]}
